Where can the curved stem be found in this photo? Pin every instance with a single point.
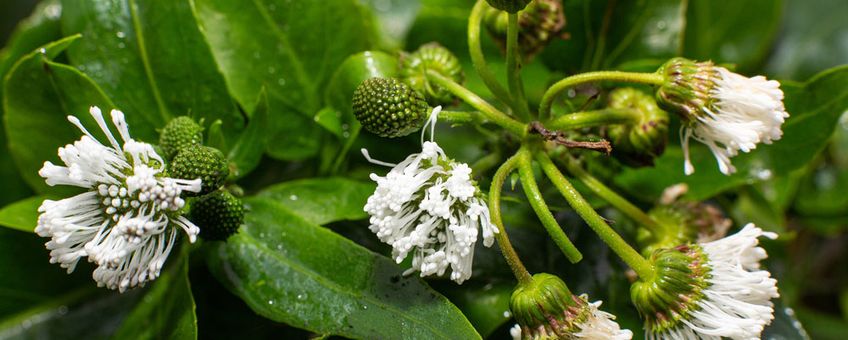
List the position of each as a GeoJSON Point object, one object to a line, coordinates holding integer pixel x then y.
{"type": "Point", "coordinates": [513, 68]}
{"type": "Point", "coordinates": [607, 194]}
{"type": "Point", "coordinates": [583, 119]}
{"type": "Point", "coordinates": [537, 202]}
{"type": "Point", "coordinates": [461, 117]}
{"type": "Point", "coordinates": [639, 264]}
{"type": "Point", "coordinates": [508, 252]}
{"type": "Point", "coordinates": [477, 58]}
{"type": "Point", "coordinates": [489, 111]}
{"type": "Point", "coordinates": [629, 77]}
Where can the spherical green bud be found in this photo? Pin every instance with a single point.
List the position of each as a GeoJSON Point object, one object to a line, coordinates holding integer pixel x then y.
{"type": "Point", "coordinates": [538, 24]}
{"type": "Point", "coordinates": [431, 56]}
{"type": "Point", "coordinates": [687, 87]}
{"type": "Point", "coordinates": [179, 133]}
{"type": "Point", "coordinates": [511, 6]}
{"type": "Point", "coordinates": [638, 143]}
{"type": "Point", "coordinates": [218, 215]}
{"type": "Point", "coordinates": [546, 308]}
{"type": "Point", "coordinates": [197, 161]}
{"type": "Point", "coordinates": [680, 278]}
{"type": "Point", "coordinates": [682, 222]}
{"type": "Point", "coordinates": [389, 108]}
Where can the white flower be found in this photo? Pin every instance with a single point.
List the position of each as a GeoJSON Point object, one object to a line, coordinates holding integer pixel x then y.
{"type": "Point", "coordinates": [736, 303]}
{"type": "Point", "coordinates": [600, 325]}
{"type": "Point", "coordinates": [127, 220]}
{"type": "Point", "coordinates": [428, 205]}
{"type": "Point", "coordinates": [743, 113]}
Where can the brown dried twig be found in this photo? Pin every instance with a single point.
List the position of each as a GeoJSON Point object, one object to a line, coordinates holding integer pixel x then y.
{"type": "Point", "coordinates": [559, 138]}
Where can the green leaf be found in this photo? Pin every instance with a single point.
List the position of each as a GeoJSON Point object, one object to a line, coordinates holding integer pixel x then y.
{"type": "Point", "coordinates": [167, 310]}
{"type": "Point", "coordinates": [814, 108]}
{"type": "Point", "coordinates": [486, 306]}
{"type": "Point", "coordinates": [39, 28]}
{"type": "Point", "coordinates": [290, 270]}
{"type": "Point", "coordinates": [151, 58]}
{"type": "Point", "coordinates": [21, 215]}
{"type": "Point", "coordinates": [737, 32]}
{"type": "Point", "coordinates": [248, 148]}
{"type": "Point", "coordinates": [322, 200]}
{"type": "Point", "coordinates": [39, 94]}
{"type": "Point", "coordinates": [290, 49]}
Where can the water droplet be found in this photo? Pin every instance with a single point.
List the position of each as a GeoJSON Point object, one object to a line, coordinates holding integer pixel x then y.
{"type": "Point", "coordinates": [261, 235]}
{"type": "Point", "coordinates": [293, 197]}
{"type": "Point", "coordinates": [346, 134]}
{"type": "Point", "coordinates": [257, 55]}
{"type": "Point", "coordinates": [279, 247]}
{"type": "Point", "coordinates": [122, 45]}
{"type": "Point", "coordinates": [364, 307]}
{"type": "Point", "coordinates": [507, 314]}
{"type": "Point", "coordinates": [63, 310]}
{"type": "Point", "coordinates": [281, 81]}
{"type": "Point", "coordinates": [42, 50]}
{"type": "Point", "coordinates": [301, 297]}
{"type": "Point", "coordinates": [120, 34]}
{"type": "Point", "coordinates": [272, 70]}
{"type": "Point", "coordinates": [661, 24]}
{"type": "Point", "coordinates": [571, 93]}
{"type": "Point", "coordinates": [345, 127]}
{"type": "Point", "coordinates": [270, 302]}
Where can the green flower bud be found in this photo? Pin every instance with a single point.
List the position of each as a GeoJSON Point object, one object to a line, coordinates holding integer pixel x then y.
{"type": "Point", "coordinates": [389, 108]}
{"type": "Point", "coordinates": [538, 24]}
{"type": "Point", "coordinates": [545, 308]}
{"type": "Point", "coordinates": [641, 142]}
{"type": "Point", "coordinates": [682, 222]}
{"type": "Point", "coordinates": [218, 215]}
{"type": "Point", "coordinates": [672, 294]}
{"type": "Point", "coordinates": [511, 6]}
{"type": "Point", "coordinates": [179, 133]}
{"type": "Point", "coordinates": [431, 56]}
{"type": "Point", "coordinates": [197, 161]}
{"type": "Point", "coordinates": [687, 87]}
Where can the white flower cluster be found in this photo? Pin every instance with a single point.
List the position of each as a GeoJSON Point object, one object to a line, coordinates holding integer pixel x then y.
{"type": "Point", "coordinates": [745, 112]}
{"type": "Point", "coordinates": [428, 205]}
{"type": "Point", "coordinates": [737, 304]}
{"type": "Point", "coordinates": [126, 221]}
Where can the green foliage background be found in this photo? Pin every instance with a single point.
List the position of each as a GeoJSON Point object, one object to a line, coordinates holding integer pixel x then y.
{"type": "Point", "coordinates": [272, 79]}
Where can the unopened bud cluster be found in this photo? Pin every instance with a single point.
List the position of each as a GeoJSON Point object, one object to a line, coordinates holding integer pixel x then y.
{"type": "Point", "coordinates": [645, 139]}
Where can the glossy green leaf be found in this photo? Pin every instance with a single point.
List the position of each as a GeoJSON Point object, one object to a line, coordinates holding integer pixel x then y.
{"type": "Point", "coordinates": [736, 32]}
{"type": "Point", "coordinates": [167, 309]}
{"type": "Point", "coordinates": [39, 28]}
{"type": "Point", "coordinates": [290, 49]}
{"type": "Point", "coordinates": [21, 215]}
{"type": "Point", "coordinates": [486, 306]}
{"type": "Point", "coordinates": [248, 148]}
{"type": "Point", "coordinates": [39, 94]}
{"type": "Point", "coordinates": [812, 38]}
{"type": "Point", "coordinates": [290, 270]}
{"type": "Point", "coordinates": [814, 107]}
{"type": "Point", "coordinates": [322, 200]}
{"type": "Point", "coordinates": [152, 60]}
{"type": "Point", "coordinates": [394, 18]}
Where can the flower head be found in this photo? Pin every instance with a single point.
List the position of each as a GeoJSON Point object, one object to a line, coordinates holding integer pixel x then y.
{"type": "Point", "coordinates": [709, 290]}
{"type": "Point", "coordinates": [726, 111]}
{"type": "Point", "coordinates": [545, 309]}
{"type": "Point", "coordinates": [127, 220]}
{"type": "Point", "coordinates": [429, 206]}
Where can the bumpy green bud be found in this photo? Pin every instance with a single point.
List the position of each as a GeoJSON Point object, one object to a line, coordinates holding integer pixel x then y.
{"type": "Point", "coordinates": [388, 108]}
{"type": "Point", "coordinates": [197, 161]}
{"type": "Point", "coordinates": [680, 279]}
{"type": "Point", "coordinates": [218, 215]}
{"type": "Point", "coordinates": [538, 24]}
{"type": "Point", "coordinates": [511, 6]}
{"type": "Point", "coordinates": [682, 222]}
{"type": "Point", "coordinates": [431, 56]}
{"type": "Point", "coordinates": [179, 133]}
{"type": "Point", "coordinates": [641, 142]}
{"type": "Point", "coordinates": [545, 308]}
{"type": "Point", "coordinates": [687, 87]}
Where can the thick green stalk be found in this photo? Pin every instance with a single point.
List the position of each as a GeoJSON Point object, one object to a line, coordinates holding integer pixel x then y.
{"type": "Point", "coordinates": [602, 117]}
{"type": "Point", "coordinates": [490, 112]}
{"type": "Point", "coordinates": [477, 58]}
{"type": "Point", "coordinates": [513, 68]}
{"type": "Point", "coordinates": [537, 202]}
{"type": "Point", "coordinates": [521, 273]}
{"type": "Point", "coordinates": [628, 77]}
{"type": "Point", "coordinates": [607, 194]}
{"type": "Point", "coordinates": [639, 264]}
{"type": "Point", "coordinates": [461, 116]}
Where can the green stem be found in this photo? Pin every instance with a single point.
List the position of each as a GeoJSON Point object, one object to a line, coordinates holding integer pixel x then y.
{"type": "Point", "coordinates": [639, 264]}
{"type": "Point", "coordinates": [537, 202]}
{"type": "Point", "coordinates": [513, 68]}
{"type": "Point", "coordinates": [607, 194]}
{"type": "Point", "coordinates": [508, 252]}
{"type": "Point", "coordinates": [461, 117]}
{"type": "Point", "coordinates": [628, 77]}
{"type": "Point", "coordinates": [477, 58]}
{"type": "Point", "coordinates": [602, 117]}
{"type": "Point", "coordinates": [490, 112]}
